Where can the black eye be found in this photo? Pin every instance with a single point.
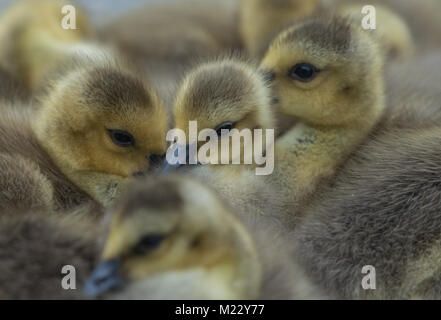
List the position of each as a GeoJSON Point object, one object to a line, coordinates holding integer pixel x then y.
{"type": "Point", "coordinates": [304, 72]}
{"type": "Point", "coordinates": [148, 243]}
{"type": "Point", "coordinates": [121, 138]}
{"type": "Point", "coordinates": [224, 126]}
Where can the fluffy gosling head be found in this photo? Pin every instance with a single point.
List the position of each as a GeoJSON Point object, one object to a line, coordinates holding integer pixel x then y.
{"type": "Point", "coordinates": [169, 230]}
{"type": "Point", "coordinates": [327, 71]}
{"type": "Point", "coordinates": [223, 95]}
{"type": "Point", "coordinates": [100, 117]}
{"type": "Point", "coordinates": [224, 92]}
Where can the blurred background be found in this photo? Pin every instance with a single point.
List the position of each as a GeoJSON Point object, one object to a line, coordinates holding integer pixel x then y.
{"type": "Point", "coordinates": [100, 9]}
{"type": "Point", "coordinates": [103, 9]}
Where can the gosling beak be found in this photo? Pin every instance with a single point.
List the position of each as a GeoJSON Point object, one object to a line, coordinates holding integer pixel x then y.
{"type": "Point", "coordinates": [103, 279]}
{"type": "Point", "coordinates": [156, 159]}
{"type": "Point", "coordinates": [178, 156]}
{"type": "Point", "coordinates": [269, 76]}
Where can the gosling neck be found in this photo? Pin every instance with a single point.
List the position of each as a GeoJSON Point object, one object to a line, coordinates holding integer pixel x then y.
{"type": "Point", "coordinates": [308, 155]}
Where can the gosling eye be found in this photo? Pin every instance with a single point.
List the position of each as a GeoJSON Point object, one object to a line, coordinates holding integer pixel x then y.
{"type": "Point", "coordinates": [224, 126]}
{"type": "Point", "coordinates": [303, 72]}
{"type": "Point", "coordinates": [148, 243]}
{"type": "Point", "coordinates": [122, 138]}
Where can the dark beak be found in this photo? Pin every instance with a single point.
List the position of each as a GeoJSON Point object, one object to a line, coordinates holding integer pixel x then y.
{"type": "Point", "coordinates": [177, 162]}
{"type": "Point", "coordinates": [269, 77]}
{"type": "Point", "coordinates": [156, 159]}
{"type": "Point", "coordinates": [103, 279]}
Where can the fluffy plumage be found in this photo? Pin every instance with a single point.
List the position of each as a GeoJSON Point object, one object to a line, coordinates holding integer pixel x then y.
{"type": "Point", "coordinates": [383, 210]}
{"type": "Point", "coordinates": [34, 247]}
{"type": "Point", "coordinates": [413, 92]}
{"type": "Point", "coordinates": [28, 176]}
{"type": "Point", "coordinates": [10, 88]}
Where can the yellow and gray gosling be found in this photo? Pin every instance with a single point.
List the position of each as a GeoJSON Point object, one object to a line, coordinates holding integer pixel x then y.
{"type": "Point", "coordinates": [172, 238]}
{"type": "Point", "coordinates": [327, 74]}
{"type": "Point", "coordinates": [97, 126]}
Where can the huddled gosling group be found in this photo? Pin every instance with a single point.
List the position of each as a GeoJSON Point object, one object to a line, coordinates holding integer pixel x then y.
{"type": "Point", "coordinates": [85, 177]}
